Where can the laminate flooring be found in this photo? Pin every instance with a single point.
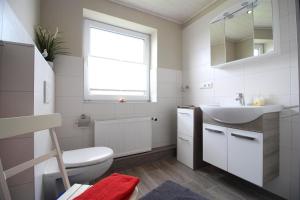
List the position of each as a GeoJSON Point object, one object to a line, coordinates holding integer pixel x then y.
{"type": "Point", "coordinates": [210, 182]}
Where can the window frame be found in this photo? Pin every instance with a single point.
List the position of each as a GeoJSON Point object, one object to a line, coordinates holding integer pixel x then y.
{"type": "Point", "coordinates": [88, 23]}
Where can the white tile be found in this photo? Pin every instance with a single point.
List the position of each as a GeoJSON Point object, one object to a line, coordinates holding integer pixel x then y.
{"type": "Point", "coordinates": [283, 8]}
{"type": "Point", "coordinates": [284, 28]}
{"type": "Point", "coordinates": [164, 131]}
{"type": "Point", "coordinates": [284, 100]}
{"type": "Point", "coordinates": [295, 101]}
{"type": "Point", "coordinates": [229, 72]}
{"type": "Point", "coordinates": [69, 86]}
{"type": "Point", "coordinates": [99, 110]}
{"type": "Point", "coordinates": [295, 192]}
{"type": "Point", "coordinates": [276, 82]}
{"type": "Point", "coordinates": [69, 106]}
{"type": "Point", "coordinates": [68, 65]}
{"type": "Point", "coordinates": [69, 128]}
{"type": "Point", "coordinates": [293, 26]}
{"type": "Point", "coordinates": [265, 65]}
{"type": "Point", "coordinates": [294, 54]}
{"type": "Point", "coordinates": [166, 75]}
{"type": "Point", "coordinates": [296, 133]}
{"type": "Point", "coordinates": [123, 110]}
{"type": "Point", "coordinates": [167, 90]}
{"type": "Point", "coordinates": [294, 80]}
{"type": "Point", "coordinates": [71, 143]}
{"type": "Point", "coordinates": [229, 87]}
{"type": "Point", "coordinates": [167, 106]}
{"type": "Point", "coordinates": [144, 109]}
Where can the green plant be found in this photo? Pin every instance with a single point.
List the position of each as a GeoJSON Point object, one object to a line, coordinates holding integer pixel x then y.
{"type": "Point", "coordinates": [49, 44]}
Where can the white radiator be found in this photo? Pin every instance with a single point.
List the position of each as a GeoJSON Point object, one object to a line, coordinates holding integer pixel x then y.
{"type": "Point", "coordinates": [125, 136]}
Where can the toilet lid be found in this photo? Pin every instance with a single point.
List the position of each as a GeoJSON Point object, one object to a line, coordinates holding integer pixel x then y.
{"type": "Point", "coordinates": [87, 156]}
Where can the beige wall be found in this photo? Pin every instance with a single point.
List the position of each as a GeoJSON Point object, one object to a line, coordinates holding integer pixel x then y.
{"type": "Point", "coordinates": [260, 33]}
{"type": "Point", "coordinates": [28, 12]}
{"type": "Point", "coordinates": [68, 17]}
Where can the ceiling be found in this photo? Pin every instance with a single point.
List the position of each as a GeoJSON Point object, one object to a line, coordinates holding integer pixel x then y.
{"type": "Point", "coordinates": [178, 11]}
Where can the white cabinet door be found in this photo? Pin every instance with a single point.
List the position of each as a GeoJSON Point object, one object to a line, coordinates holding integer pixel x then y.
{"type": "Point", "coordinates": [245, 155]}
{"type": "Point", "coordinates": [215, 145]}
{"type": "Point", "coordinates": [185, 150]}
{"type": "Point", "coordinates": [185, 122]}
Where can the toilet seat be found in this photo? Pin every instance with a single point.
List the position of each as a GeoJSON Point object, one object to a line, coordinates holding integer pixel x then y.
{"type": "Point", "coordinates": [87, 156]}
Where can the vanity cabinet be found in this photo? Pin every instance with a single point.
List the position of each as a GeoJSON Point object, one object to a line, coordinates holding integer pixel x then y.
{"type": "Point", "coordinates": [189, 136]}
{"type": "Point", "coordinates": [215, 145]}
{"type": "Point", "coordinates": [250, 155]}
{"type": "Point", "coordinates": [245, 155]}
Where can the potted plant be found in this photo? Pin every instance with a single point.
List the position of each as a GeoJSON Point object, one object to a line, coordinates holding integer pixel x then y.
{"type": "Point", "coordinates": [49, 44]}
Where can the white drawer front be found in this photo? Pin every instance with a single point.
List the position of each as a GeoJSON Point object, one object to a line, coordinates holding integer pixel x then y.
{"type": "Point", "coordinates": [185, 121]}
{"type": "Point", "coordinates": [215, 145]}
{"type": "Point", "coordinates": [185, 150]}
{"type": "Point", "coordinates": [245, 155]}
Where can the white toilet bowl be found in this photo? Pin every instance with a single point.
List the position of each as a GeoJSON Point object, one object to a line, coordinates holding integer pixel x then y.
{"type": "Point", "coordinates": [83, 166]}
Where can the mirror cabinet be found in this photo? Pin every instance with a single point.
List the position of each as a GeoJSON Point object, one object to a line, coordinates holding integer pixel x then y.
{"type": "Point", "coordinates": [242, 33]}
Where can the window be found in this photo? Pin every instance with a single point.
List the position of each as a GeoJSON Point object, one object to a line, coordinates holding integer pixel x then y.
{"type": "Point", "coordinates": [258, 49]}
{"type": "Point", "coordinates": [117, 63]}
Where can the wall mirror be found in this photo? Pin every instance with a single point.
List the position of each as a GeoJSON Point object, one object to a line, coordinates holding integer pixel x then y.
{"type": "Point", "coordinates": [242, 33]}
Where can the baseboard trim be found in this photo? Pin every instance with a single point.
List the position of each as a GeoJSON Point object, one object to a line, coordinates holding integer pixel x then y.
{"type": "Point", "coordinates": [127, 162]}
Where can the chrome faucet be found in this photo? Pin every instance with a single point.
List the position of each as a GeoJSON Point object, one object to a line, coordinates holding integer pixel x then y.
{"type": "Point", "coordinates": [241, 99]}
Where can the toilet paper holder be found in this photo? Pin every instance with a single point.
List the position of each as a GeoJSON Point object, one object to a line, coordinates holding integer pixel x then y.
{"type": "Point", "coordinates": [83, 121]}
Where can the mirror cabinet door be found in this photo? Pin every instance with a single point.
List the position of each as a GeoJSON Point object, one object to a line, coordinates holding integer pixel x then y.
{"type": "Point", "coordinates": [239, 35]}
{"type": "Point", "coordinates": [245, 33]}
{"type": "Point", "coordinates": [263, 28]}
{"type": "Point", "coordinates": [217, 41]}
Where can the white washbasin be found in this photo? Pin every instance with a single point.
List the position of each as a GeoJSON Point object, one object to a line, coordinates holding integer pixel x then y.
{"type": "Point", "coordinates": [238, 114]}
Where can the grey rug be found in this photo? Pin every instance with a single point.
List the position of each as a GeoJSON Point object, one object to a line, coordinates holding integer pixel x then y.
{"type": "Point", "coordinates": [171, 191]}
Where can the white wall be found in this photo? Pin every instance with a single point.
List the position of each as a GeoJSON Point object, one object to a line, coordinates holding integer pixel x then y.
{"type": "Point", "coordinates": [69, 102]}
{"type": "Point", "coordinates": [275, 77]}
{"type": "Point", "coordinates": [12, 29]}
{"type": "Point", "coordinates": [28, 12]}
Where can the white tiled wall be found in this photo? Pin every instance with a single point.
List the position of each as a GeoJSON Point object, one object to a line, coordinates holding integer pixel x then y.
{"type": "Point", "coordinates": [69, 102]}
{"type": "Point", "coordinates": [274, 77]}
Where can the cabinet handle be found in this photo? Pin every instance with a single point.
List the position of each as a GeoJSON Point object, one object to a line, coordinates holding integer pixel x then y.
{"type": "Point", "coordinates": [214, 131]}
{"type": "Point", "coordinates": [243, 136]}
{"type": "Point", "coordinates": [186, 140]}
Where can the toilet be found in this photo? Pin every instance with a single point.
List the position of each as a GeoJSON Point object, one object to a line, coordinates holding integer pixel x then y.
{"type": "Point", "coordinates": [83, 166]}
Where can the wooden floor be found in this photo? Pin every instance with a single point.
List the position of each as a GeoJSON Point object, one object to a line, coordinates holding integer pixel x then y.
{"type": "Point", "coordinates": [209, 182]}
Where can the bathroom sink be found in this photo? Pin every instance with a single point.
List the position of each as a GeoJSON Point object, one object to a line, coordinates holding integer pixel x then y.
{"type": "Point", "coordinates": [238, 114]}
